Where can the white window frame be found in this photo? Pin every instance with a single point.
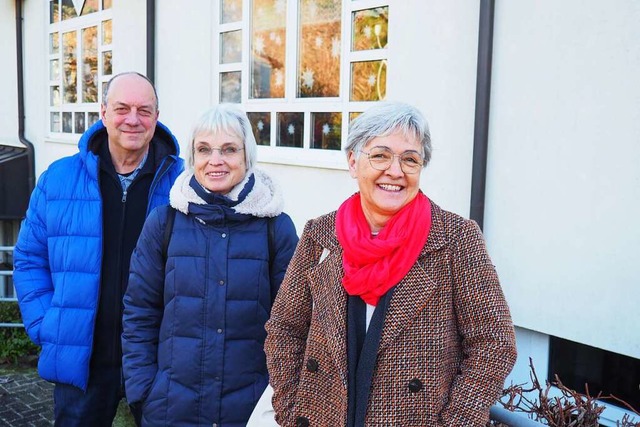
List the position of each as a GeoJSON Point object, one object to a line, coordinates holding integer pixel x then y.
{"type": "Point", "coordinates": [305, 156]}
{"type": "Point", "coordinates": [62, 26]}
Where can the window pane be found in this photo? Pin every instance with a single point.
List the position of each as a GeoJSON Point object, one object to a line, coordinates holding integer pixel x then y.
{"type": "Point", "coordinates": [230, 87]}
{"type": "Point", "coordinates": [68, 10]}
{"type": "Point", "coordinates": [106, 32]}
{"type": "Point", "coordinates": [107, 67]}
{"type": "Point", "coordinates": [79, 123]}
{"type": "Point", "coordinates": [90, 64]}
{"type": "Point", "coordinates": [327, 130]}
{"type": "Point", "coordinates": [370, 28]}
{"type": "Point", "coordinates": [268, 36]}
{"type": "Point", "coordinates": [54, 96]}
{"type": "Point", "coordinates": [290, 129]}
{"type": "Point", "coordinates": [368, 80]}
{"type": "Point", "coordinates": [70, 67]}
{"type": "Point", "coordinates": [353, 115]}
{"type": "Point", "coordinates": [106, 4]}
{"type": "Point", "coordinates": [54, 69]}
{"type": "Point", "coordinates": [261, 125]}
{"type": "Point", "coordinates": [231, 47]}
{"type": "Point", "coordinates": [231, 11]}
{"type": "Point", "coordinates": [90, 6]}
{"type": "Point", "coordinates": [319, 67]}
{"type": "Point", "coordinates": [55, 122]}
{"type": "Point", "coordinates": [66, 122]}
{"type": "Point", "coordinates": [93, 117]}
{"type": "Point", "coordinates": [54, 11]}
{"type": "Point", "coordinates": [54, 43]}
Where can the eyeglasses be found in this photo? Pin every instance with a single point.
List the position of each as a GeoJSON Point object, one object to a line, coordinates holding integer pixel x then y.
{"type": "Point", "coordinates": [381, 158]}
{"type": "Point", "coordinates": [229, 151]}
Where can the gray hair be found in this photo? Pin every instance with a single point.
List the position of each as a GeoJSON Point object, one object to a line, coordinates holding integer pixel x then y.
{"type": "Point", "coordinates": [105, 95]}
{"type": "Point", "coordinates": [384, 119]}
{"type": "Point", "coordinates": [227, 118]}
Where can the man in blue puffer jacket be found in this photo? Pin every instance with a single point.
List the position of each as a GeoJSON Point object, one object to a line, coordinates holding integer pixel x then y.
{"type": "Point", "coordinates": [73, 252]}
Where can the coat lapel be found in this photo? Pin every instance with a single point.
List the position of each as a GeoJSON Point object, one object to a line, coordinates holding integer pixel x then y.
{"type": "Point", "coordinates": [414, 291]}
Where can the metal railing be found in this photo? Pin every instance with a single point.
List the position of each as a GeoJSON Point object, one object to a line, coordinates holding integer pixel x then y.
{"type": "Point", "coordinates": [3, 296]}
{"type": "Point", "coordinates": [512, 419]}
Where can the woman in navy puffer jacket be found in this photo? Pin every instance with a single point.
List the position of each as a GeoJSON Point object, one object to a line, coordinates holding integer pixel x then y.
{"type": "Point", "coordinates": [194, 316]}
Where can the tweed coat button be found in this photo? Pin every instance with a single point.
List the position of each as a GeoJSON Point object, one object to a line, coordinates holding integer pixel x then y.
{"type": "Point", "coordinates": [415, 385]}
{"type": "Point", "coordinates": [312, 365]}
{"type": "Point", "coordinates": [302, 422]}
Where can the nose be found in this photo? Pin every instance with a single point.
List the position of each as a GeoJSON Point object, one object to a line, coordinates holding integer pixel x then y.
{"type": "Point", "coordinates": [395, 169]}
{"type": "Point", "coordinates": [132, 118]}
{"type": "Point", "coordinates": [215, 158]}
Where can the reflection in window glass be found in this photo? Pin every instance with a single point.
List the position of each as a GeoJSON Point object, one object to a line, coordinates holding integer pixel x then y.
{"type": "Point", "coordinates": [55, 122]}
{"type": "Point", "coordinates": [54, 69]}
{"type": "Point", "coordinates": [107, 67]}
{"type": "Point", "coordinates": [106, 4]}
{"type": "Point", "coordinates": [230, 87]}
{"type": "Point", "coordinates": [93, 118]}
{"type": "Point", "coordinates": [327, 130]}
{"type": "Point", "coordinates": [70, 68]}
{"type": "Point", "coordinates": [268, 37]}
{"type": "Point", "coordinates": [79, 123]}
{"type": "Point", "coordinates": [90, 64]}
{"type": "Point", "coordinates": [68, 10]}
{"type": "Point", "coordinates": [319, 48]}
{"type": "Point", "coordinates": [90, 6]}
{"type": "Point", "coordinates": [231, 11]}
{"type": "Point", "coordinates": [261, 125]}
{"type": "Point", "coordinates": [368, 80]}
{"type": "Point", "coordinates": [66, 122]}
{"type": "Point", "coordinates": [54, 11]}
{"type": "Point", "coordinates": [231, 47]}
{"type": "Point", "coordinates": [54, 43]}
{"type": "Point", "coordinates": [106, 32]}
{"type": "Point", "coordinates": [370, 29]}
{"type": "Point", "coordinates": [54, 96]}
{"type": "Point", "coordinates": [353, 115]}
{"type": "Point", "coordinates": [290, 130]}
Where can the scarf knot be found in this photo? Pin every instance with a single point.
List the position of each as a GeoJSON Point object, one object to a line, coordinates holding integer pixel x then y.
{"type": "Point", "coordinates": [374, 264]}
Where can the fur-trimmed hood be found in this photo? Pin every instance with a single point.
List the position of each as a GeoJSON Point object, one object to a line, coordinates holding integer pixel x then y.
{"type": "Point", "coordinates": [264, 200]}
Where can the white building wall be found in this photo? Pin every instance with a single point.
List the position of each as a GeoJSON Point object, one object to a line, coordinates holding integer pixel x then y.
{"type": "Point", "coordinates": [563, 195]}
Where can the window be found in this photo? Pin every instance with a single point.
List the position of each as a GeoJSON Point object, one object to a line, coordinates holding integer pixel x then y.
{"type": "Point", "coordinates": [80, 63]}
{"type": "Point", "coordinates": [604, 371]}
{"type": "Point", "coordinates": [302, 69]}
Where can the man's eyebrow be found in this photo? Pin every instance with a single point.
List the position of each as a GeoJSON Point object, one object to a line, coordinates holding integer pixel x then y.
{"type": "Point", "coordinates": [124, 104]}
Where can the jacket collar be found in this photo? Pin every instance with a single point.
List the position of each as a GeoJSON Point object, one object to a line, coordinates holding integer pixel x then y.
{"type": "Point", "coordinates": [264, 200]}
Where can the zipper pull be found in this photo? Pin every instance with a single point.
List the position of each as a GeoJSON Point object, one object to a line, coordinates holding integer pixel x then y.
{"type": "Point", "coordinates": [124, 196]}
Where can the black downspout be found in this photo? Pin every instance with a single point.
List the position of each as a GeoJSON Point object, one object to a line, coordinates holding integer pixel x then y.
{"type": "Point", "coordinates": [483, 98]}
{"type": "Point", "coordinates": [21, 117]}
{"type": "Point", "coordinates": [151, 40]}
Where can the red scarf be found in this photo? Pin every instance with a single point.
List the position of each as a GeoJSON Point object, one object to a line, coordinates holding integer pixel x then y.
{"type": "Point", "coordinates": [373, 265]}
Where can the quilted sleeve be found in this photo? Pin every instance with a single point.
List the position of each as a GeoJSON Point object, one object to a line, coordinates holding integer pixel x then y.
{"type": "Point", "coordinates": [144, 308]}
{"type": "Point", "coordinates": [32, 275]}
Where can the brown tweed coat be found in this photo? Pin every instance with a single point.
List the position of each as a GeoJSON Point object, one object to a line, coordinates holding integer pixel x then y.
{"type": "Point", "coordinates": [446, 346]}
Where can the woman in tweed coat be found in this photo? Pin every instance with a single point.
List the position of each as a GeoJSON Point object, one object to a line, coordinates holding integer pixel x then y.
{"type": "Point", "coordinates": [391, 312]}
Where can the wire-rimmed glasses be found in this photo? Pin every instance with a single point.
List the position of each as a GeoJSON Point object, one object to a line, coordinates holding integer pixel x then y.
{"type": "Point", "coordinates": [381, 158]}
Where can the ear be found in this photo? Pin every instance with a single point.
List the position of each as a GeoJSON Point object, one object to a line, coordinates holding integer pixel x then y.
{"type": "Point", "coordinates": [352, 161]}
{"type": "Point", "coordinates": [103, 111]}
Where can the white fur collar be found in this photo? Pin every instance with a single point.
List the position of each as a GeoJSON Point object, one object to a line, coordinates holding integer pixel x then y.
{"type": "Point", "coordinates": [264, 200]}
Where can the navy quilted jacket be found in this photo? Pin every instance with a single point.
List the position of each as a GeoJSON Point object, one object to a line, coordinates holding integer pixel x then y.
{"type": "Point", "coordinates": [58, 257]}
{"type": "Point", "coordinates": [194, 331]}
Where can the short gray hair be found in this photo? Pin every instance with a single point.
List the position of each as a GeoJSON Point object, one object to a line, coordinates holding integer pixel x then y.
{"type": "Point", "coordinates": [386, 118]}
{"type": "Point", "coordinates": [227, 118]}
{"type": "Point", "coordinates": [105, 95]}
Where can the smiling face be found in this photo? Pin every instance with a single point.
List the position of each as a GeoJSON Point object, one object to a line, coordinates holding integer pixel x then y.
{"type": "Point", "coordinates": [130, 115]}
{"type": "Point", "coordinates": [218, 161]}
{"type": "Point", "coordinates": [384, 193]}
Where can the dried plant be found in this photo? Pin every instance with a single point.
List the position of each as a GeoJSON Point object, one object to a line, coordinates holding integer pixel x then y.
{"type": "Point", "coordinates": [569, 409]}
